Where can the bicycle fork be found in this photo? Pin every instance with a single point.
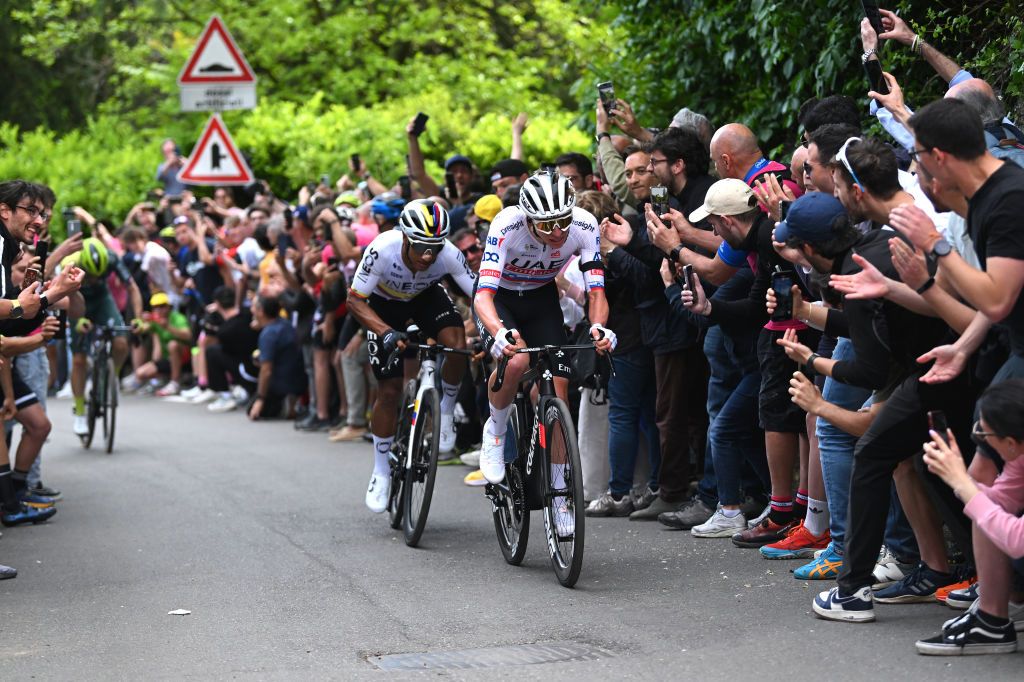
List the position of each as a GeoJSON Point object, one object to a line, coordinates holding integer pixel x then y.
{"type": "Point", "coordinates": [425, 379]}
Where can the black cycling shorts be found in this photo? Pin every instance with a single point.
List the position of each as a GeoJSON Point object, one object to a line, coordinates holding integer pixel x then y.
{"type": "Point", "coordinates": [535, 314]}
{"type": "Point", "coordinates": [432, 310]}
{"type": "Point", "coordinates": [23, 395]}
{"type": "Point", "coordinates": [778, 413]}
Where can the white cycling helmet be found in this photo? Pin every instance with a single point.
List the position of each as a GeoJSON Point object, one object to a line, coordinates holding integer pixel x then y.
{"type": "Point", "coordinates": [547, 196]}
{"type": "Point", "coordinates": [424, 221]}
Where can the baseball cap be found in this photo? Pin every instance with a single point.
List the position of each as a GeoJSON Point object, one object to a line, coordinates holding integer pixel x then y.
{"type": "Point", "coordinates": [167, 233]}
{"type": "Point", "coordinates": [725, 197]}
{"type": "Point", "coordinates": [183, 220]}
{"type": "Point", "coordinates": [158, 299]}
{"type": "Point", "coordinates": [458, 158]}
{"type": "Point", "coordinates": [810, 218]}
{"type": "Point", "coordinates": [509, 168]}
{"type": "Point", "coordinates": [350, 198]}
{"type": "Point", "coordinates": [487, 206]}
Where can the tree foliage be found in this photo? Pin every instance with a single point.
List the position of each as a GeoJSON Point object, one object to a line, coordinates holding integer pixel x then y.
{"type": "Point", "coordinates": [755, 61]}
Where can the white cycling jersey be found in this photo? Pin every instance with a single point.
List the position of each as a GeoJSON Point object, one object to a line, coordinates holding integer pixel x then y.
{"type": "Point", "coordinates": [383, 272]}
{"type": "Point", "coordinates": [514, 259]}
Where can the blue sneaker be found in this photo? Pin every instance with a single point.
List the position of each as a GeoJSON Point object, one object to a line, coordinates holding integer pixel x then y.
{"type": "Point", "coordinates": [919, 586]}
{"type": "Point", "coordinates": [27, 515]}
{"type": "Point", "coordinates": [36, 501]}
{"type": "Point", "coordinates": [855, 608]}
{"type": "Point", "coordinates": [825, 567]}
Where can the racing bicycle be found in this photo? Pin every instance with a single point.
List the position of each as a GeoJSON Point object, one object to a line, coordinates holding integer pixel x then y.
{"type": "Point", "coordinates": [103, 395]}
{"type": "Point", "coordinates": [538, 436]}
{"type": "Point", "coordinates": [414, 453]}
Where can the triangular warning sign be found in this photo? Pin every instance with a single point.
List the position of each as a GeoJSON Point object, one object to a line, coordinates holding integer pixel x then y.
{"type": "Point", "coordinates": [216, 59]}
{"type": "Point", "coordinates": [215, 159]}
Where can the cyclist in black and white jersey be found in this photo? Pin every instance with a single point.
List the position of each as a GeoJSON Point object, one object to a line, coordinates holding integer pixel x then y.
{"type": "Point", "coordinates": [398, 281]}
{"type": "Point", "coordinates": [516, 302]}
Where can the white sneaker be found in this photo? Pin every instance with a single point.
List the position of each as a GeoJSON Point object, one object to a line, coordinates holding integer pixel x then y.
{"type": "Point", "coordinates": [377, 492]}
{"type": "Point", "coordinates": [447, 443]}
{"type": "Point", "coordinates": [565, 519]}
{"type": "Point", "coordinates": [471, 458]}
{"type": "Point", "coordinates": [492, 455]}
{"type": "Point", "coordinates": [130, 384]}
{"type": "Point", "coordinates": [203, 397]}
{"type": "Point", "coordinates": [240, 395]}
{"type": "Point", "coordinates": [192, 392]}
{"type": "Point", "coordinates": [888, 569]}
{"type": "Point", "coordinates": [756, 522]}
{"type": "Point", "coordinates": [65, 391]}
{"type": "Point", "coordinates": [223, 404]}
{"type": "Point", "coordinates": [169, 389]}
{"type": "Point", "coordinates": [81, 425]}
{"type": "Point", "coordinates": [720, 526]}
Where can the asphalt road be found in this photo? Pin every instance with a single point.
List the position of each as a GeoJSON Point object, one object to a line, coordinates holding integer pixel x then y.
{"type": "Point", "coordinates": [261, 533]}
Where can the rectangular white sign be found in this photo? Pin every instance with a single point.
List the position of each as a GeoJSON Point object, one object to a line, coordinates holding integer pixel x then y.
{"type": "Point", "coordinates": [220, 97]}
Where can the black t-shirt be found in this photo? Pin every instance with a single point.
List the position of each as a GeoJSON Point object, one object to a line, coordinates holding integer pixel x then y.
{"type": "Point", "coordinates": [206, 277]}
{"type": "Point", "coordinates": [237, 336]}
{"type": "Point", "coordinates": [994, 217]}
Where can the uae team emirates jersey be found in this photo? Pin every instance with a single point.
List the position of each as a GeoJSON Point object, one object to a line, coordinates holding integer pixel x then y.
{"type": "Point", "coordinates": [514, 259]}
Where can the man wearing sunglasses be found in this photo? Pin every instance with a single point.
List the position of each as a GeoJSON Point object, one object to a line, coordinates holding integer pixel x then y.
{"type": "Point", "coordinates": [516, 302]}
{"type": "Point", "coordinates": [398, 282]}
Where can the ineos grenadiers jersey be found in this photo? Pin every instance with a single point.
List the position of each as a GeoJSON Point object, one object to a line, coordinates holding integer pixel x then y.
{"type": "Point", "coordinates": [383, 272]}
{"type": "Point", "coordinates": [514, 259]}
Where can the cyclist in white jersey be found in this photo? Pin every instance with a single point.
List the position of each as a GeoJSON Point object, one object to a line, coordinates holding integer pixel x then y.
{"type": "Point", "coordinates": [516, 302]}
{"type": "Point", "coordinates": [397, 282]}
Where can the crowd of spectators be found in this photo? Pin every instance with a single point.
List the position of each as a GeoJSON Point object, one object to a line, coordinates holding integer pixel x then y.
{"type": "Point", "coordinates": [820, 357]}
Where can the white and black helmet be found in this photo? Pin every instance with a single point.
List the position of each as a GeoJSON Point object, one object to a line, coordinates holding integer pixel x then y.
{"type": "Point", "coordinates": [547, 196]}
{"type": "Point", "coordinates": [424, 221]}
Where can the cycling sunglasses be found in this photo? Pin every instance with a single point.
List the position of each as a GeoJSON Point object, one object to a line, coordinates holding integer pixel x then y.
{"type": "Point", "coordinates": [841, 157]}
{"type": "Point", "coordinates": [548, 226]}
{"type": "Point", "coordinates": [423, 248]}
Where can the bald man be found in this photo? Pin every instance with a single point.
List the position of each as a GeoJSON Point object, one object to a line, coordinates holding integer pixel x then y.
{"type": "Point", "coordinates": [737, 154]}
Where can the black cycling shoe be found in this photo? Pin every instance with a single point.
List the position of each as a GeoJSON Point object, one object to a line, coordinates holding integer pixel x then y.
{"type": "Point", "coordinates": [43, 490]}
{"type": "Point", "coordinates": [313, 424]}
{"type": "Point", "coordinates": [27, 514]}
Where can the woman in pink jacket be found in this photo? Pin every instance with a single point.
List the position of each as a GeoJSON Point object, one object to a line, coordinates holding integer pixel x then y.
{"type": "Point", "coordinates": [998, 527]}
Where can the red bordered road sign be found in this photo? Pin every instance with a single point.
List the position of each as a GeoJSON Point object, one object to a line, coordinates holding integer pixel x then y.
{"type": "Point", "coordinates": [215, 159]}
{"type": "Point", "coordinates": [217, 76]}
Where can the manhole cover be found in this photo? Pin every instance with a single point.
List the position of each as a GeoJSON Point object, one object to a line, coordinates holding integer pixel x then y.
{"type": "Point", "coordinates": [491, 657]}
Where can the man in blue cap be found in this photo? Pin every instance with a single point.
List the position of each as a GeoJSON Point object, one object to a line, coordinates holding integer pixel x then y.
{"type": "Point", "coordinates": [887, 341]}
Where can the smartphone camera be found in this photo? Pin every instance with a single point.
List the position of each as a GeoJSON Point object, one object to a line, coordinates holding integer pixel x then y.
{"type": "Point", "coordinates": [782, 285]}
{"type": "Point", "coordinates": [659, 200]}
{"type": "Point", "coordinates": [607, 94]}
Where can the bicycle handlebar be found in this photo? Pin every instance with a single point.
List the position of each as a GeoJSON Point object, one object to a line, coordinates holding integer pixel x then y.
{"type": "Point", "coordinates": [428, 346]}
{"type": "Point", "coordinates": [499, 377]}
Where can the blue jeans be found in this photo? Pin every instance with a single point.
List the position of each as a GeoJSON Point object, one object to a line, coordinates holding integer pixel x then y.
{"type": "Point", "coordinates": [631, 415]}
{"type": "Point", "coordinates": [723, 377]}
{"type": "Point", "coordinates": [836, 447]}
{"type": "Point", "coordinates": [734, 443]}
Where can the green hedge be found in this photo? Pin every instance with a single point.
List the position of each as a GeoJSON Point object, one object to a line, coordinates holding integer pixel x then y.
{"type": "Point", "coordinates": [108, 165]}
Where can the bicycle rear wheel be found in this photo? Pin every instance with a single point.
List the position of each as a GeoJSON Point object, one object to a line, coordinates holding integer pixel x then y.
{"type": "Point", "coordinates": [508, 506]}
{"type": "Point", "coordinates": [563, 509]}
{"type": "Point", "coordinates": [419, 477]}
{"type": "Point", "coordinates": [110, 405]}
{"type": "Point", "coordinates": [396, 501]}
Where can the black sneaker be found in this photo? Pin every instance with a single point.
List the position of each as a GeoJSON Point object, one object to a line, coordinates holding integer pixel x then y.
{"type": "Point", "coordinates": [969, 635]}
{"type": "Point", "coordinates": [313, 425]}
{"type": "Point", "coordinates": [43, 490]}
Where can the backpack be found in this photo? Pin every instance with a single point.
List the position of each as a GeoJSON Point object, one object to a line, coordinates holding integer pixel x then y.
{"type": "Point", "coordinates": [1006, 142]}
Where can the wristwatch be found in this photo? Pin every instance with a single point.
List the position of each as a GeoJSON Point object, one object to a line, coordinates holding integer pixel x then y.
{"type": "Point", "coordinates": [44, 301]}
{"type": "Point", "coordinates": [602, 135]}
{"type": "Point", "coordinates": [867, 55]}
{"type": "Point", "coordinates": [941, 248]}
{"type": "Point", "coordinates": [810, 362]}
{"type": "Point", "coordinates": [17, 312]}
{"type": "Point", "coordinates": [674, 254]}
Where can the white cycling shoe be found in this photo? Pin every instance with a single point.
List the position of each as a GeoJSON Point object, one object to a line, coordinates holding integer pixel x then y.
{"type": "Point", "coordinates": [81, 425]}
{"type": "Point", "coordinates": [492, 455]}
{"type": "Point", "coordinates": [377, 492]}
{"type": "Point", "coordinates": [447, 443]}
{"type": "Point", "coordinates": [565, 520]}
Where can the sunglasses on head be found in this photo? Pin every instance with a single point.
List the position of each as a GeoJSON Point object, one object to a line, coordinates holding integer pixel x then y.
{"type": "Point", "coordinates": [548, 226]}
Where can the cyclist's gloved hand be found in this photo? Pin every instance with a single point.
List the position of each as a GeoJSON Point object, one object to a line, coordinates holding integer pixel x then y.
{"type": "Point", "coordinates": [605, 338]}
{"type": "Point", "coordinates": [505, 338]}
{"type": "Point", "coordinates": [83, 325]}
{"type": "Point", "coordinates": [389, 341]}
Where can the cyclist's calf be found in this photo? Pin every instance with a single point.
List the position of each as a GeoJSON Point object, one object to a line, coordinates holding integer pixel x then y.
{"type": "Point", "coordinates": [385, 409]}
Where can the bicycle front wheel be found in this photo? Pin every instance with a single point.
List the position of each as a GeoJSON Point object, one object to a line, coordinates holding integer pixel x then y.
{"type": "Point", "coordinates": [397, 457]}
{"type": "Point", "coordinates": [95, 405]}
{"type": "Point", "coordinates": [563, 509]}
{"type": "Point", "coordinates": [110, 405]}
{"type": "Point", "coordinates": [419, 477]}
{"type": "Point", "coordinates": [508, 505]}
